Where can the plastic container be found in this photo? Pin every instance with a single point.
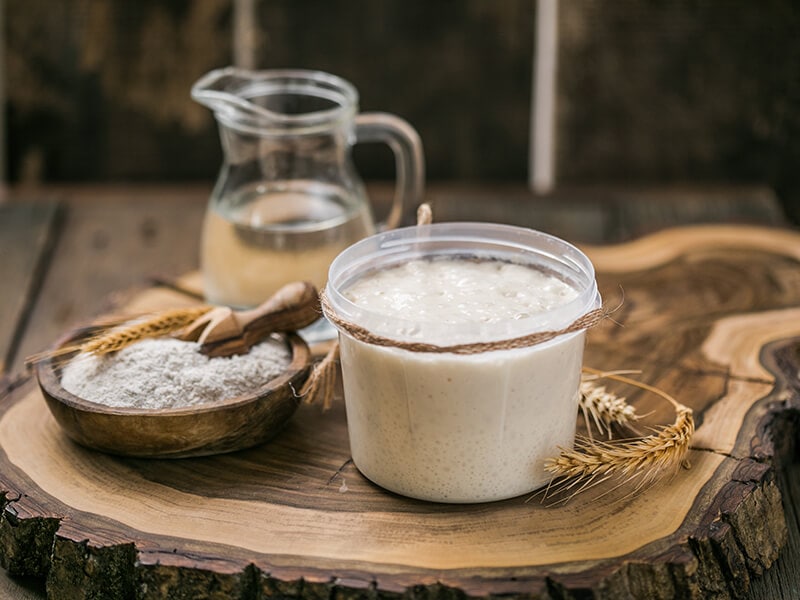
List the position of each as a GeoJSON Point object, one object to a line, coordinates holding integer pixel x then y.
{"type": "Point", "coordinates": [460, 428]}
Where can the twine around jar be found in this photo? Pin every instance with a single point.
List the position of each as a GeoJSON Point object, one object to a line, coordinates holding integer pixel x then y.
{"type": "Point", "coordinates": [586, 321]}
{"type": "Point", "coordinates": [320, 382]}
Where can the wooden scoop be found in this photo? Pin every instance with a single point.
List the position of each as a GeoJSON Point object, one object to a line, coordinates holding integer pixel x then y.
{"type": "Point", "coordinates": [223, 331]}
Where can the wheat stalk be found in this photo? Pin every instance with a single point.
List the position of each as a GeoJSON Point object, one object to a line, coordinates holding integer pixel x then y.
{"type": "Point", "coordinates": [605, 408]}
{"type": "Point", "coordinates": [642, 460]}
{"type": "Point", "coordinates": [321, 383]}
{"type": "Point", "coordinates": [158, 325]}
{"type": "Point", "coordinates": [117, 338]}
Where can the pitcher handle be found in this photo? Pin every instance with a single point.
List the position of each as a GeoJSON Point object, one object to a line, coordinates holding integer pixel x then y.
{"type": "Point", "coordinates": [406, 145]}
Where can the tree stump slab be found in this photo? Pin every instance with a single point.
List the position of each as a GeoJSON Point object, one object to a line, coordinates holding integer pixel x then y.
{"type": "Point", "coordinates": [711, 315]}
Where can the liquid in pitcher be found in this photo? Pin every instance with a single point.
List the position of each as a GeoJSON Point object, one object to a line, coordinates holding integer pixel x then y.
{"type": "Point", "coordinates": [268, 235]}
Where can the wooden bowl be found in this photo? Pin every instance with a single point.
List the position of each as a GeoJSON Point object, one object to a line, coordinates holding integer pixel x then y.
{"type": "Point", "coordinates": [214, 428]}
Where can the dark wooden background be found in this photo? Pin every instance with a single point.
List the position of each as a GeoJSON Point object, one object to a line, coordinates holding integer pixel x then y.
{"type": "Point", "coordinates": [649, 91]}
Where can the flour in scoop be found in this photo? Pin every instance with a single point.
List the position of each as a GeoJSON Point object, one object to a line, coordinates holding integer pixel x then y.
{"type": "Point", "coordinates": [164, 372]}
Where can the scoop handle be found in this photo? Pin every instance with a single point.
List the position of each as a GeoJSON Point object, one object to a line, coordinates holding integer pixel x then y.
{"type": "Point", "coordinates": [292, 307]}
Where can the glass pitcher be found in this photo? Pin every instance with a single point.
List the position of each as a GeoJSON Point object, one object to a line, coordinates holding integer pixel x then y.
{"type": "Point", "coordinates": [288, 199]}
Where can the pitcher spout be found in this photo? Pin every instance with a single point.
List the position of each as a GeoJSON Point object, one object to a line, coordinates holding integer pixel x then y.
{"type": "Point", "coordinates": [276, 100]}
{"type": "Point", "coordinates": [224, 91]}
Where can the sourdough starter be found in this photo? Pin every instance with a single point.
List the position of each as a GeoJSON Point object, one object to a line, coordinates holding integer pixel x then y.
{"type": "Point", "coordinates": [459, 428]}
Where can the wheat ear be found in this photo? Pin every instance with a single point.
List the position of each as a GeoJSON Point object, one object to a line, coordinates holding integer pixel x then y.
{"type": "Point", "coordinates": [605, 408]}
{"type": "Point", "coordinates": [158, 325]}
{"type": "Point", "coordinates": [641, 460]}
{"type": "Point", "coordinates": [117, 338]}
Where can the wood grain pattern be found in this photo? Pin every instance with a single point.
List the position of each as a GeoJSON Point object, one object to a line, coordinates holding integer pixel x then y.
{"type": "Point", "coordinates": [713, 320]}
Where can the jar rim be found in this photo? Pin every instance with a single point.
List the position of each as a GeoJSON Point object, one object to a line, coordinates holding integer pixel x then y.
{"type": "Point", "coordinates": [457, 239]}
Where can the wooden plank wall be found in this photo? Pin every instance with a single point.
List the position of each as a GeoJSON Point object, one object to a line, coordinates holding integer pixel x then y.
{"type": "Point", "coordinates": [97, 90]}
{"type": "Point", "coordinates": [27, 236]}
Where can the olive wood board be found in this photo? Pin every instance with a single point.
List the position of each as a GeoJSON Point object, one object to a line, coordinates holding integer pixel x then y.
{"type": "Point", "coordinates": [711, 315]}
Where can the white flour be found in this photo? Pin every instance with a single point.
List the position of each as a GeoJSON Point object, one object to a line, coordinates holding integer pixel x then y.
{"type": "Point", "coordinates": [168, 373]}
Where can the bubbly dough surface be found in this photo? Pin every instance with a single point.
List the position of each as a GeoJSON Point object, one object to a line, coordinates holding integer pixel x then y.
{"type": "Point", "coordinates": [460, 291]}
